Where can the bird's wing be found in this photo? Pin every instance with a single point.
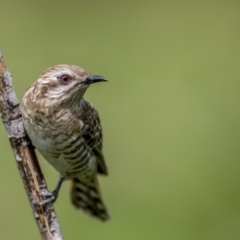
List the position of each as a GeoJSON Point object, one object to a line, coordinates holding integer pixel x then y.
{"type": "Point", "coordinates": [92, 134]}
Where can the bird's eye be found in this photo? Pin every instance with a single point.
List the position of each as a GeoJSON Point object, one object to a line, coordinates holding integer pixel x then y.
{"type": "Point", "coordinates": [65, 79]}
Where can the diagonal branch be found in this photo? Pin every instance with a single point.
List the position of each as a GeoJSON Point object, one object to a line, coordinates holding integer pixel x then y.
{"type": "Point", "coordinates": [26, 159]}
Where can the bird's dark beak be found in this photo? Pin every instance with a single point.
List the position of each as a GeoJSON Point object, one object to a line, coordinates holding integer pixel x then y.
{"type": "Point", "coordinates": [94, 78]}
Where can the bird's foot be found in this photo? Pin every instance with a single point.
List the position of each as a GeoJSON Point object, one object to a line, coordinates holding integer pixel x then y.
{"type": "Point", "coordinates": [49, 197]}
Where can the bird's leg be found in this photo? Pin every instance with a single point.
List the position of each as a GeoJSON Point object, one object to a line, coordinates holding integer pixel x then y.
{"type": "Point", "coordinates": [52, 195]}
{"type": "Point", "coordinates": [57, 188]}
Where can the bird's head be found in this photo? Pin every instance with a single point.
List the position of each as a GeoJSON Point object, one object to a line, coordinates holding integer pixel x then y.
{"type": "Point", "coordinates": [64, 84]}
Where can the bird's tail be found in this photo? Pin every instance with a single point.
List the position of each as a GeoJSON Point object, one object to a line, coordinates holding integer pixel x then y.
{"type": "Point", "coordinates": [87, 197]}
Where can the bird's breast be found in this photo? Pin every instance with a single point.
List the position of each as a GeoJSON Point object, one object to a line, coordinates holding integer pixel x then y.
{"type": "Point", "coordinates": [69, 156]}
{"type": "Point", "coordinates": [58, 137]}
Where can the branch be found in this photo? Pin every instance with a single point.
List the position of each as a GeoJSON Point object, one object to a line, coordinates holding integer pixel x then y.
{"type": "Point", "coordinates": [25, 157]}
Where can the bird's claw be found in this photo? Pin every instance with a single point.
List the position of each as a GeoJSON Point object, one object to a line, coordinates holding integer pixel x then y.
{"type": "Point", "coordinates": [50, 197]}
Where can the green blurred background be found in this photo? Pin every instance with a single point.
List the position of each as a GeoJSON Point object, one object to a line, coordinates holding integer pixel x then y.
{"type": "Point", "coordinates": [170, 113]}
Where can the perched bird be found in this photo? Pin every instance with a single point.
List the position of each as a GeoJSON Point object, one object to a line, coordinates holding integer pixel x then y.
{"type": "Point", "coordinates": [66, 130]}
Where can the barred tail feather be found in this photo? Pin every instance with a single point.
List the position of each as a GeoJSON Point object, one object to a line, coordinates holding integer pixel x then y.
{"type": "Point", "coordinates": [87, 197]}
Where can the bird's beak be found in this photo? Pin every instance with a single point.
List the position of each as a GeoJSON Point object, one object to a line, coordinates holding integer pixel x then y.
{"type": "Point", "coordinates": [94, 78]}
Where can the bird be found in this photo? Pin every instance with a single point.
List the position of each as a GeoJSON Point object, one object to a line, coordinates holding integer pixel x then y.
{"type": "Point", "coordinates": [66, 130]}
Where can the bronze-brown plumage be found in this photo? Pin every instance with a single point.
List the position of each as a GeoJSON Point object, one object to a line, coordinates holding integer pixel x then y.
{"type": "Point", "coordinates": [66, 130]}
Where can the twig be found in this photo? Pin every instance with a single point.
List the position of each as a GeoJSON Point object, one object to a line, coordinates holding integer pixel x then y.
{"type": "Point", "coordinates": [26, 159]}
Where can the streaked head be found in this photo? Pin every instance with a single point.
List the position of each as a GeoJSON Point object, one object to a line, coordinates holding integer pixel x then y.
{"type": "Point", "coordinates": [63, 83]}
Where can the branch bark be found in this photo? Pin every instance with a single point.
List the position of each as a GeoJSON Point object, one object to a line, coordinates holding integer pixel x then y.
{"type": "Point", "coordinates": [27, 163]}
